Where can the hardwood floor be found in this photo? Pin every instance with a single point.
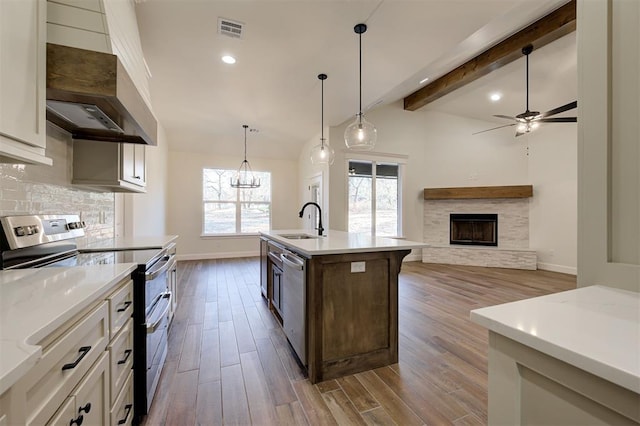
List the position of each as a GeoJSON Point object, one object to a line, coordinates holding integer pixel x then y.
{"type": "Point", "coordinates": [230, 363]}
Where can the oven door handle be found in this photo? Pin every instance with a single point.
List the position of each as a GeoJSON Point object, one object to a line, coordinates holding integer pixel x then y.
{"type": "Point", "coordinates": [153, 326]}
{"type": "Point", "coordinates": [154, 272]}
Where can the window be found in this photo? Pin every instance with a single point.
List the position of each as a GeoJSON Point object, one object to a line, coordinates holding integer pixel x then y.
{"type": "Point", "coordinates": [374, 197]}
{"type": "Point", "coordinates": [230, 210]}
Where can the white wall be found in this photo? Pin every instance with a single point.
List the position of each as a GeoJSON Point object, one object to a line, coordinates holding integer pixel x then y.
{"type": "Point", "coordinates": [442, 153]}
{"type": "Point", "coordinates": [184, 204]}
{"type": "Point", "coordinates": [553, 212]}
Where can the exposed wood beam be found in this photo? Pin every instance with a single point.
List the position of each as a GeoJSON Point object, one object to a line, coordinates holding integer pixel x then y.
{"type": "Point", "coordinates": [556, 24]}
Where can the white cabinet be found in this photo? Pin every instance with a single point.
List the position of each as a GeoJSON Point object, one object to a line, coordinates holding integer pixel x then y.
{"type": "Point", "coordinates": [112, 166]}
{"type": "Point", "coordinates": [134, 164]}
{"type": "Point", "coordinates": [85, 373]}
{"type": "Point", "coordinates": [22, 81]}
{"type": "Point", "coordinates": [89, 401]}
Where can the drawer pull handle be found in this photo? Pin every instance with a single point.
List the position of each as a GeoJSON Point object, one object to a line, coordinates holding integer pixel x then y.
{"type": "Point", "coordinates": [83, 352]}
{"type": "Point", "coordinates": [86, 408]}
{"type": "Point", "coordinates": [127, 409]}
{"type": "Point", "coordinates": [126, 356]}
{"type": "Point", "coordinates": [124, 307]}
{"type": "Point", "coordinates": [77, 421]}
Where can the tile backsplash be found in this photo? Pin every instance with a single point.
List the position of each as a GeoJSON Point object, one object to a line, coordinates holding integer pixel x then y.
{"type": "Point", "coordinates": [35, 189]}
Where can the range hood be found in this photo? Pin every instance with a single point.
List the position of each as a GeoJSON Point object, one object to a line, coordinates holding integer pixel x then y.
{"type": "Point", "coordinates": [90, 95]}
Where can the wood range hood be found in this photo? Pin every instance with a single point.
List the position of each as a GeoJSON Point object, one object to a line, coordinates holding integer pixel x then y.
{"type": "Point", "coordinates": [91, 95]}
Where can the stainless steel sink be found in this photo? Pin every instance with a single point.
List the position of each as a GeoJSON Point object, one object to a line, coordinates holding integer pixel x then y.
{"type": "Point", "coordinates": [298, 236]}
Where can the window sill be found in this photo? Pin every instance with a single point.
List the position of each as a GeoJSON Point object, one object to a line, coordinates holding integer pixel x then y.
{"type": "Point", "coordinates": [216, 236]}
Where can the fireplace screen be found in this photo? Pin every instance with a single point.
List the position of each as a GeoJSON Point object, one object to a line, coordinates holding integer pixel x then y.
{"type": "Point", "coordinates": [474, 229]}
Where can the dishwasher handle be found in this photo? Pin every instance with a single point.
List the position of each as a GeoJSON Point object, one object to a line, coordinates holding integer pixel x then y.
{"type": "Point", "coordinates": [292, 261]}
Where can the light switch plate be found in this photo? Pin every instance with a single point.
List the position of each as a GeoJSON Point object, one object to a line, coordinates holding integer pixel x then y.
{"type": "Point", "coordinates": [358, 267]}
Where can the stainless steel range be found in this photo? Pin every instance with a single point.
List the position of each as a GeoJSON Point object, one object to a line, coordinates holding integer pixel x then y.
{"type": "Point", "coordinates": [34, 241]}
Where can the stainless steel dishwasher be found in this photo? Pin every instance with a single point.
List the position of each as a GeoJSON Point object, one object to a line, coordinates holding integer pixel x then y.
{"type": "Point", "coordinates": [294, 300]}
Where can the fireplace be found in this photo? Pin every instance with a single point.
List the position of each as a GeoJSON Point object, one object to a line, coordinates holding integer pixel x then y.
{"type": "Point", "coordinates": [473, 229]}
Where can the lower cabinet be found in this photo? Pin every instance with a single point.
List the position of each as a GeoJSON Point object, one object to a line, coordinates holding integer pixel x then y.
{"type": "Point", "coordinates": [84, 377]}
{"type": "Point", "coordinates": [88, 402]}
{"type": "Point", "coordinates": [122, 410]}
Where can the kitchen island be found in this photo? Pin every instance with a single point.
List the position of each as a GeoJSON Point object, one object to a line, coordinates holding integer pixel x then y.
{"type": "Point", "coordinates": [350, 297]}
{"type": "Point", "coordinates": [566, 358]}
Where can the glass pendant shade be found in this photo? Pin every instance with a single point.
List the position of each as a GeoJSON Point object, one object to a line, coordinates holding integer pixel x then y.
{"type": "Point", "coordinates": [360, 135]}
{"type": "Point", "coordinates": [244, 177]}
{"type": "Point", "coordinates": [323, 154]}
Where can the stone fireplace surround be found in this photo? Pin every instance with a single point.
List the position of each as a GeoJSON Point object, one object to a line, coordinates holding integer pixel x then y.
{"type": "Point", "coordinates": [513, 230]}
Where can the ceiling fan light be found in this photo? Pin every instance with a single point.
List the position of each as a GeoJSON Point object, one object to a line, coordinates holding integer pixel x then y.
{"type": "Point", "coordinates": [360, 135]}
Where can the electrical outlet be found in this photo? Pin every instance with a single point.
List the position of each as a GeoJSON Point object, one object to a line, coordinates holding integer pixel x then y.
{"type": "Point", "coordinates": [358, 267]}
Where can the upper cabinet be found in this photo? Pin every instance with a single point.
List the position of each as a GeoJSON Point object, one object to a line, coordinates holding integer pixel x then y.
{"type": "Point", "coordinates": [117, 167]}
{"type": "Point", "coordinates": [22, 82]}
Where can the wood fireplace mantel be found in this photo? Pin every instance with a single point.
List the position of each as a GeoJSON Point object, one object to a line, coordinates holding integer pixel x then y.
{"type": "Point", "coordinates": [471, 192]}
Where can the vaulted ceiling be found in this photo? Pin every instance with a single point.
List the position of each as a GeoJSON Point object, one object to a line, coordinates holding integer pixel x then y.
{"type": "Point", "coordinates": [202, 102]}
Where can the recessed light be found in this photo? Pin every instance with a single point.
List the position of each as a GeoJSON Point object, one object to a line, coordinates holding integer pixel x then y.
{"type": "Point", "coordinates": [495, 97]}
{"type": "Point", "coordinates": [227, 59]}
{"type": "Point", "coordinates": [424, 80]}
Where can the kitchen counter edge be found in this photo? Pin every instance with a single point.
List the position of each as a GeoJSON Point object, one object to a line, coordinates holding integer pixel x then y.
{"type": "Point", "coordinates": [17, 353]}
{"type": "Point", "coordinates": [338, 242]}
{"type": "Point", "coordinates": [555, 325]}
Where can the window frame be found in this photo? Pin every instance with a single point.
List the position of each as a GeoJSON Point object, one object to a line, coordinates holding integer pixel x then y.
{"type": "Point", "coordinates": [238, 208]}
{"type": "Point", "coordinates": [375, 159]}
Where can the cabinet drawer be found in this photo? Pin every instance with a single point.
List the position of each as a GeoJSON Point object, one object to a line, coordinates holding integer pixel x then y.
{"type": "Point", "coordinates": [87, 403]}
{"type": "Point", "coordinates": [122, 411]}
{"type": "Point", "coordinates": [121, 359]}
{"type": "Point", "coordinates": [120, 308]}
{"type": "Point", "coordinates": [64, 363]}
{"type": "Point", "coordinates": [65, 413]}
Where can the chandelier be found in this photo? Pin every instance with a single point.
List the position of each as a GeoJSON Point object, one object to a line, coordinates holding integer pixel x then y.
{"type": "Point", "coordinates": [244, 177]}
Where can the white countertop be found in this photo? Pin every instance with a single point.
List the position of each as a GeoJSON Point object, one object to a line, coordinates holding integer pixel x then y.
{"type": "Point", "coordinates": [35, 302]}
{"type": "Point", "coordinates": [595, 328]}
{"type": "Point", "coordinates": [339, 242]}
{"type": "Point", "coordinates": [129, 243]}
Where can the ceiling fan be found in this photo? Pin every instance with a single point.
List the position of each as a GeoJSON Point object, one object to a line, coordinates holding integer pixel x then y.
{"type": "Point", "coordinates": [528, 120]}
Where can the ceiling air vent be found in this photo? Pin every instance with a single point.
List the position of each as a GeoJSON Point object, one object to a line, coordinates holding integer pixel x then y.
{"type": "Point", "coordinates": [230, 28]}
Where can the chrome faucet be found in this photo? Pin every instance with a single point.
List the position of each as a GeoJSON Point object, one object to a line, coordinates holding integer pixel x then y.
{"type": "Point", "coordinates": [319, 228]}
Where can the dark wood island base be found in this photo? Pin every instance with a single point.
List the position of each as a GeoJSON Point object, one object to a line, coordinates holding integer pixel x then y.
{"type": "Point", "coordinates": [352, 317]}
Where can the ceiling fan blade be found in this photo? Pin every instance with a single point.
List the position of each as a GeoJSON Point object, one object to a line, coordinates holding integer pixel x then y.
{"type": "Point", "coordinates": [519, 133]}
{"type": "Point", "coordinates": [494, 128]}
{"type": "Point", "coordinates": [558, 120]}
{"type": "Point", "coordinates": [505, 116]}
{"type": "Point", "coordinates": [563, 108]}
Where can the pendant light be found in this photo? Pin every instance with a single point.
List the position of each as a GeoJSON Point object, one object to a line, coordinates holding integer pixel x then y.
{"type": "Point", "coordinates": [245, 178]}
{"type": "Point", "coordinates": [322, 153]}
{"type": "Point", "coordinates": [360, 135]}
